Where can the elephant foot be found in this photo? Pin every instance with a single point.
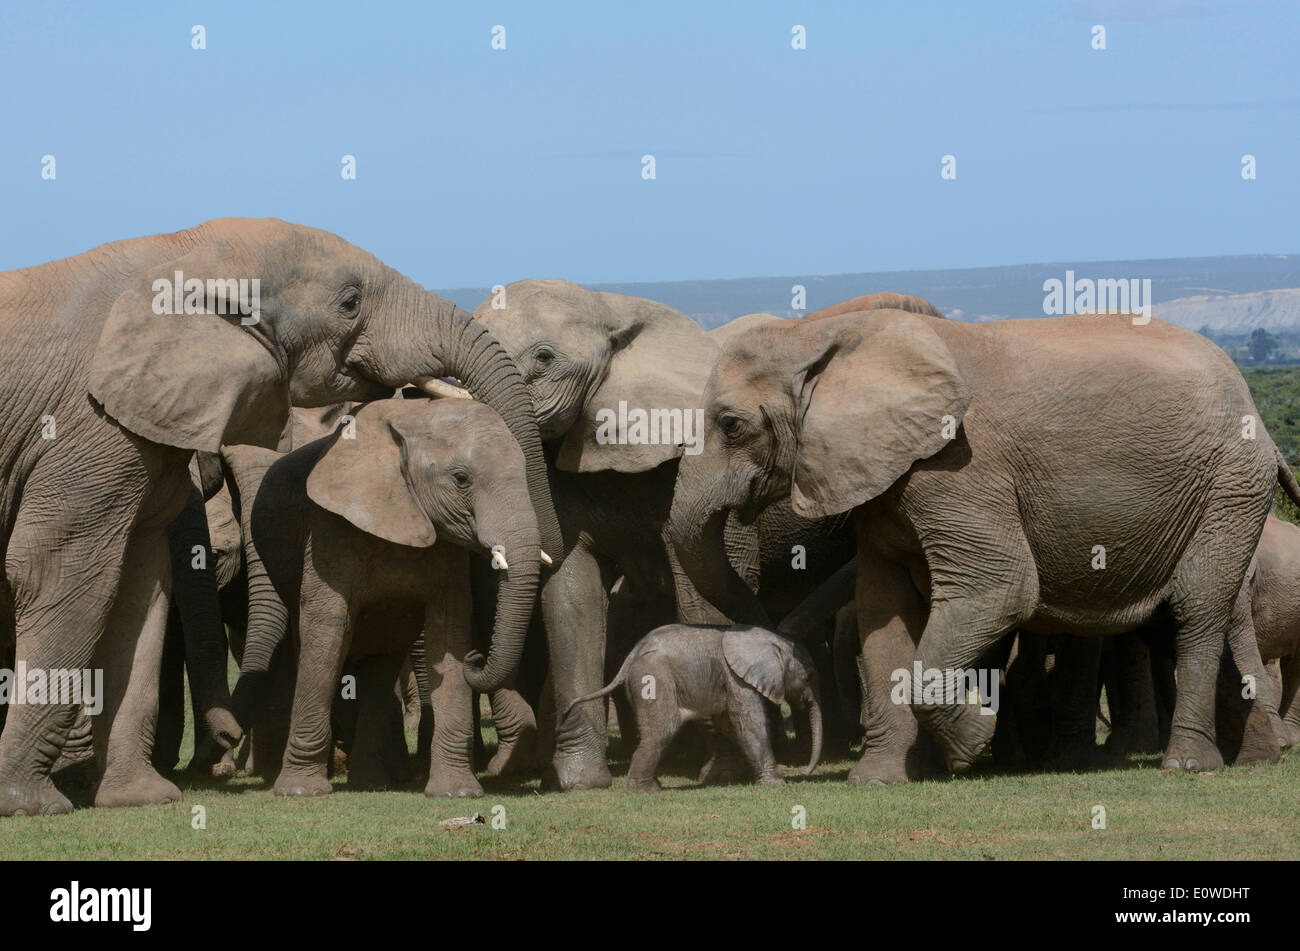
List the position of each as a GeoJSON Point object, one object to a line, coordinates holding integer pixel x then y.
{"type": "Point", "coordinates": [773, 779]}
{"type": "Point", "coordinates": [643, 785]}
{"type": "Point", "coordinates": [454, 784]}
{"type": "Point", "coordinates": [880, 768]}
{"type": "Point", "coordinates": [1289, 734]}
{"type": "Point", "coordinates": [1192, 752]}
{"type": "Point", "coordinates": [517, 755]}
{"type": "Point", "coordinates": [576, 771]}
{"type": "Point", "coordinates": [302, 784]}
{"type": "Point", "coordinates": [1260, 742]}
{"type": "Point", "coordinates": [726, 765]}
{"type": "Point", "coordinates": [32, 797]}
{"type": "Point", "coordinates": [143, 787]}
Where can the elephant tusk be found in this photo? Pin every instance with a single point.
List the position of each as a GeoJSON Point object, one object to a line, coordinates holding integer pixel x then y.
{"type": "Point", "coordinates": [546, 559]}
{"type": "Point", "coordinates": [499, 559]}
{"type": "Point", "coordinates": [436, 388]}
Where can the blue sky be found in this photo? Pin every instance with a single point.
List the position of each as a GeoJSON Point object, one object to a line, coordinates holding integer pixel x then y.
{"type": "Point", "coordinates": [477, 166]}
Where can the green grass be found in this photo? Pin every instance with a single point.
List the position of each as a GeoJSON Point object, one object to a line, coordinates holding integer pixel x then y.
{"type": "Point", "coordinates": [1239, 813]}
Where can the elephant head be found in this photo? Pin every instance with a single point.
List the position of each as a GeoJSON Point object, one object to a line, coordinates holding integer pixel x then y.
{"type": "Point", "coordinates": [419, 470]}
{"type": "Point", "coordinates": [781, 670]}
{"type": "Point", "coordinates": [218, 330]}
{"type": "Point", "coordinates": [829, 413]}
{"type": "Point", "coordinates": [582, 351]}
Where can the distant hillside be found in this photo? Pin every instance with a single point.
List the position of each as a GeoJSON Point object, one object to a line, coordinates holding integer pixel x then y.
{"type": "Point", "coordinates": [1222, 293]}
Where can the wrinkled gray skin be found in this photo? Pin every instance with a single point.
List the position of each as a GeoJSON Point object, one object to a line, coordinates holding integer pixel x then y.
{"type": "Point", "coordinates": [131, 394]}
{"type": "Point", "coordinates": [679, 673]}
{"type": "Point", "coordinates": [197, 627]}
{"type": "Point", "coordinates": [1276, 613]}
{"type": "Point", "coordinates": [581, 351]}
{"type": "Point", "coordinates": [341, 533]}
{"type": "Point", "coordinates": [982, 463]}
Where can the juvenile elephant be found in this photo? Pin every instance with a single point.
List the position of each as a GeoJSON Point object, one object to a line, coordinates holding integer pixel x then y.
{"type": "Point", "coordinates": [340, 550]}
{"type": "Point", "coordinates": [1002, 476]}
{"type": "Point", "coordinates": [678, 673]}
{"type": "Point", "coordinates": [120, 363]}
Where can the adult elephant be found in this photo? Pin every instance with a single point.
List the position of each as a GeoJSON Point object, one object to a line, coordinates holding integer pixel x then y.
{"type": "Point", "coordinates": [989, 467]}
{"type": "Point", "coordinates": [587, 357]}
{"type": "Point", "coordinates": [122, 362]}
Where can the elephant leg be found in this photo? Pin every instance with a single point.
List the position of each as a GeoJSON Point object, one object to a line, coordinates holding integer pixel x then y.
{"type": "Point", "coordinates": [1202, 611]}
{"type": "Point", "coordinates": [448, 638]}
{"type": "Point", "coordinates": [171, 697]}
{"type": "Point", "coordinates": [726, 762]}
{"type": "Point", "coordinates": [424, 730]}
{"type": "Point", "coordinates": [325, 626]}
{"type": "Point", "coordinates": [1131, 697]}
{"type": "Point", "coordinates": [516, 727]}
{"type": "Point", "coordinates": [1074, 704]}
{"type": "Point", "coordinates": [891, 616]}
{"type": "Point", "coordinates": [747, 716]}
{"type": "Point", "coordinates": [378, 756]}
{"type": "Point", "coordinates": [574, 607]}
{"type": "Point", "coordinates": [56, 626]}
{"type": "Point", "coordinates": [264, 753]}
{"type": "Point", "coordinates": [132, 652]}
{"type": "Point", "coordinates": [959, 631]}
{"type": "Point", "coordinates": [1288, 705]}
{"type": "Point", "coordinates": [657, 724]}
{"type": "Point", "coordinates": [197, 603]}
{"type": "Point", "coordinates": [409, 693]}
{"type": "Point", "coordinates": [1028, 702]}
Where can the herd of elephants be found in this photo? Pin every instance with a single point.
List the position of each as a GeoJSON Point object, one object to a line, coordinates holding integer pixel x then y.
{"type": "Point", "coordinates": [386, 508]}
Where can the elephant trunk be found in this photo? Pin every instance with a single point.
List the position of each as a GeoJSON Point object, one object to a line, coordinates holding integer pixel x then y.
{"type": "Point", "coordinates": [268, 615]}
{"type": "Point", "coordinates": [697, 532]}
{"type": "Point", "coordinates": [197, 601]}
{"type": "Point", "coordinates": [457, 345]}
{"type": "Point", "coordinates": [518, 556]}
{"type": "Point", "coordinates": [815, 719]}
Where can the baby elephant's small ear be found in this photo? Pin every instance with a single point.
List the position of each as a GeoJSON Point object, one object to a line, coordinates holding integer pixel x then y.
{"type": "Point", "coordinates": [758, 660]}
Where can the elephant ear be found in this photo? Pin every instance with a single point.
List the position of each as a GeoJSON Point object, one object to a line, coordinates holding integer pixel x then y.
{"type": "Point", "coordinates": [191, 380]}
{"type": "Point", "coordinates": [660, 360]}
{"type": "Point", "coordinates": [881, 392]}
{"type": "Point", "coordinates": [365, 480]}
{"type": "Point", "coordinates": [757, 658]}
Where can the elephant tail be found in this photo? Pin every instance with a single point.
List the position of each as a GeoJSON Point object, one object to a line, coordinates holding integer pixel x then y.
{"type": "Point", "coordinates": [619, 679]}
{"type": "Point", "coordinates": [1285, 478]}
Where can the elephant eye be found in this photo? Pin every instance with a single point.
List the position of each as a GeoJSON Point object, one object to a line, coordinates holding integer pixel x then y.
{"type": "Point", "coordinates": [351, 304]}
{"type": "Point", "coordinates": [461, 478]}
{"type": "Point", "coordinates": [544, 356]}
{"type": "Point", "coordinates": [731, 426]}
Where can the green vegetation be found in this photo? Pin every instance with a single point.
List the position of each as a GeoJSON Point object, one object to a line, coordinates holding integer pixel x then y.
{"type": "Point", "coordinates": [1277, 396]}
{"type": "Point", "coordinates": [1239, 813]}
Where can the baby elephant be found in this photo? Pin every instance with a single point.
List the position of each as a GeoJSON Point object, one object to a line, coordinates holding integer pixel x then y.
{"type": "Point", "coordinates": [681, 672]}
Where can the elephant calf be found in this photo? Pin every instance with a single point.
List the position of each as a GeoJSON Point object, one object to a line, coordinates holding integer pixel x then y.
{"type": "Point", "coordinates": [680, 672]}
{"type": "Point", "coordinates": [358, 542]}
